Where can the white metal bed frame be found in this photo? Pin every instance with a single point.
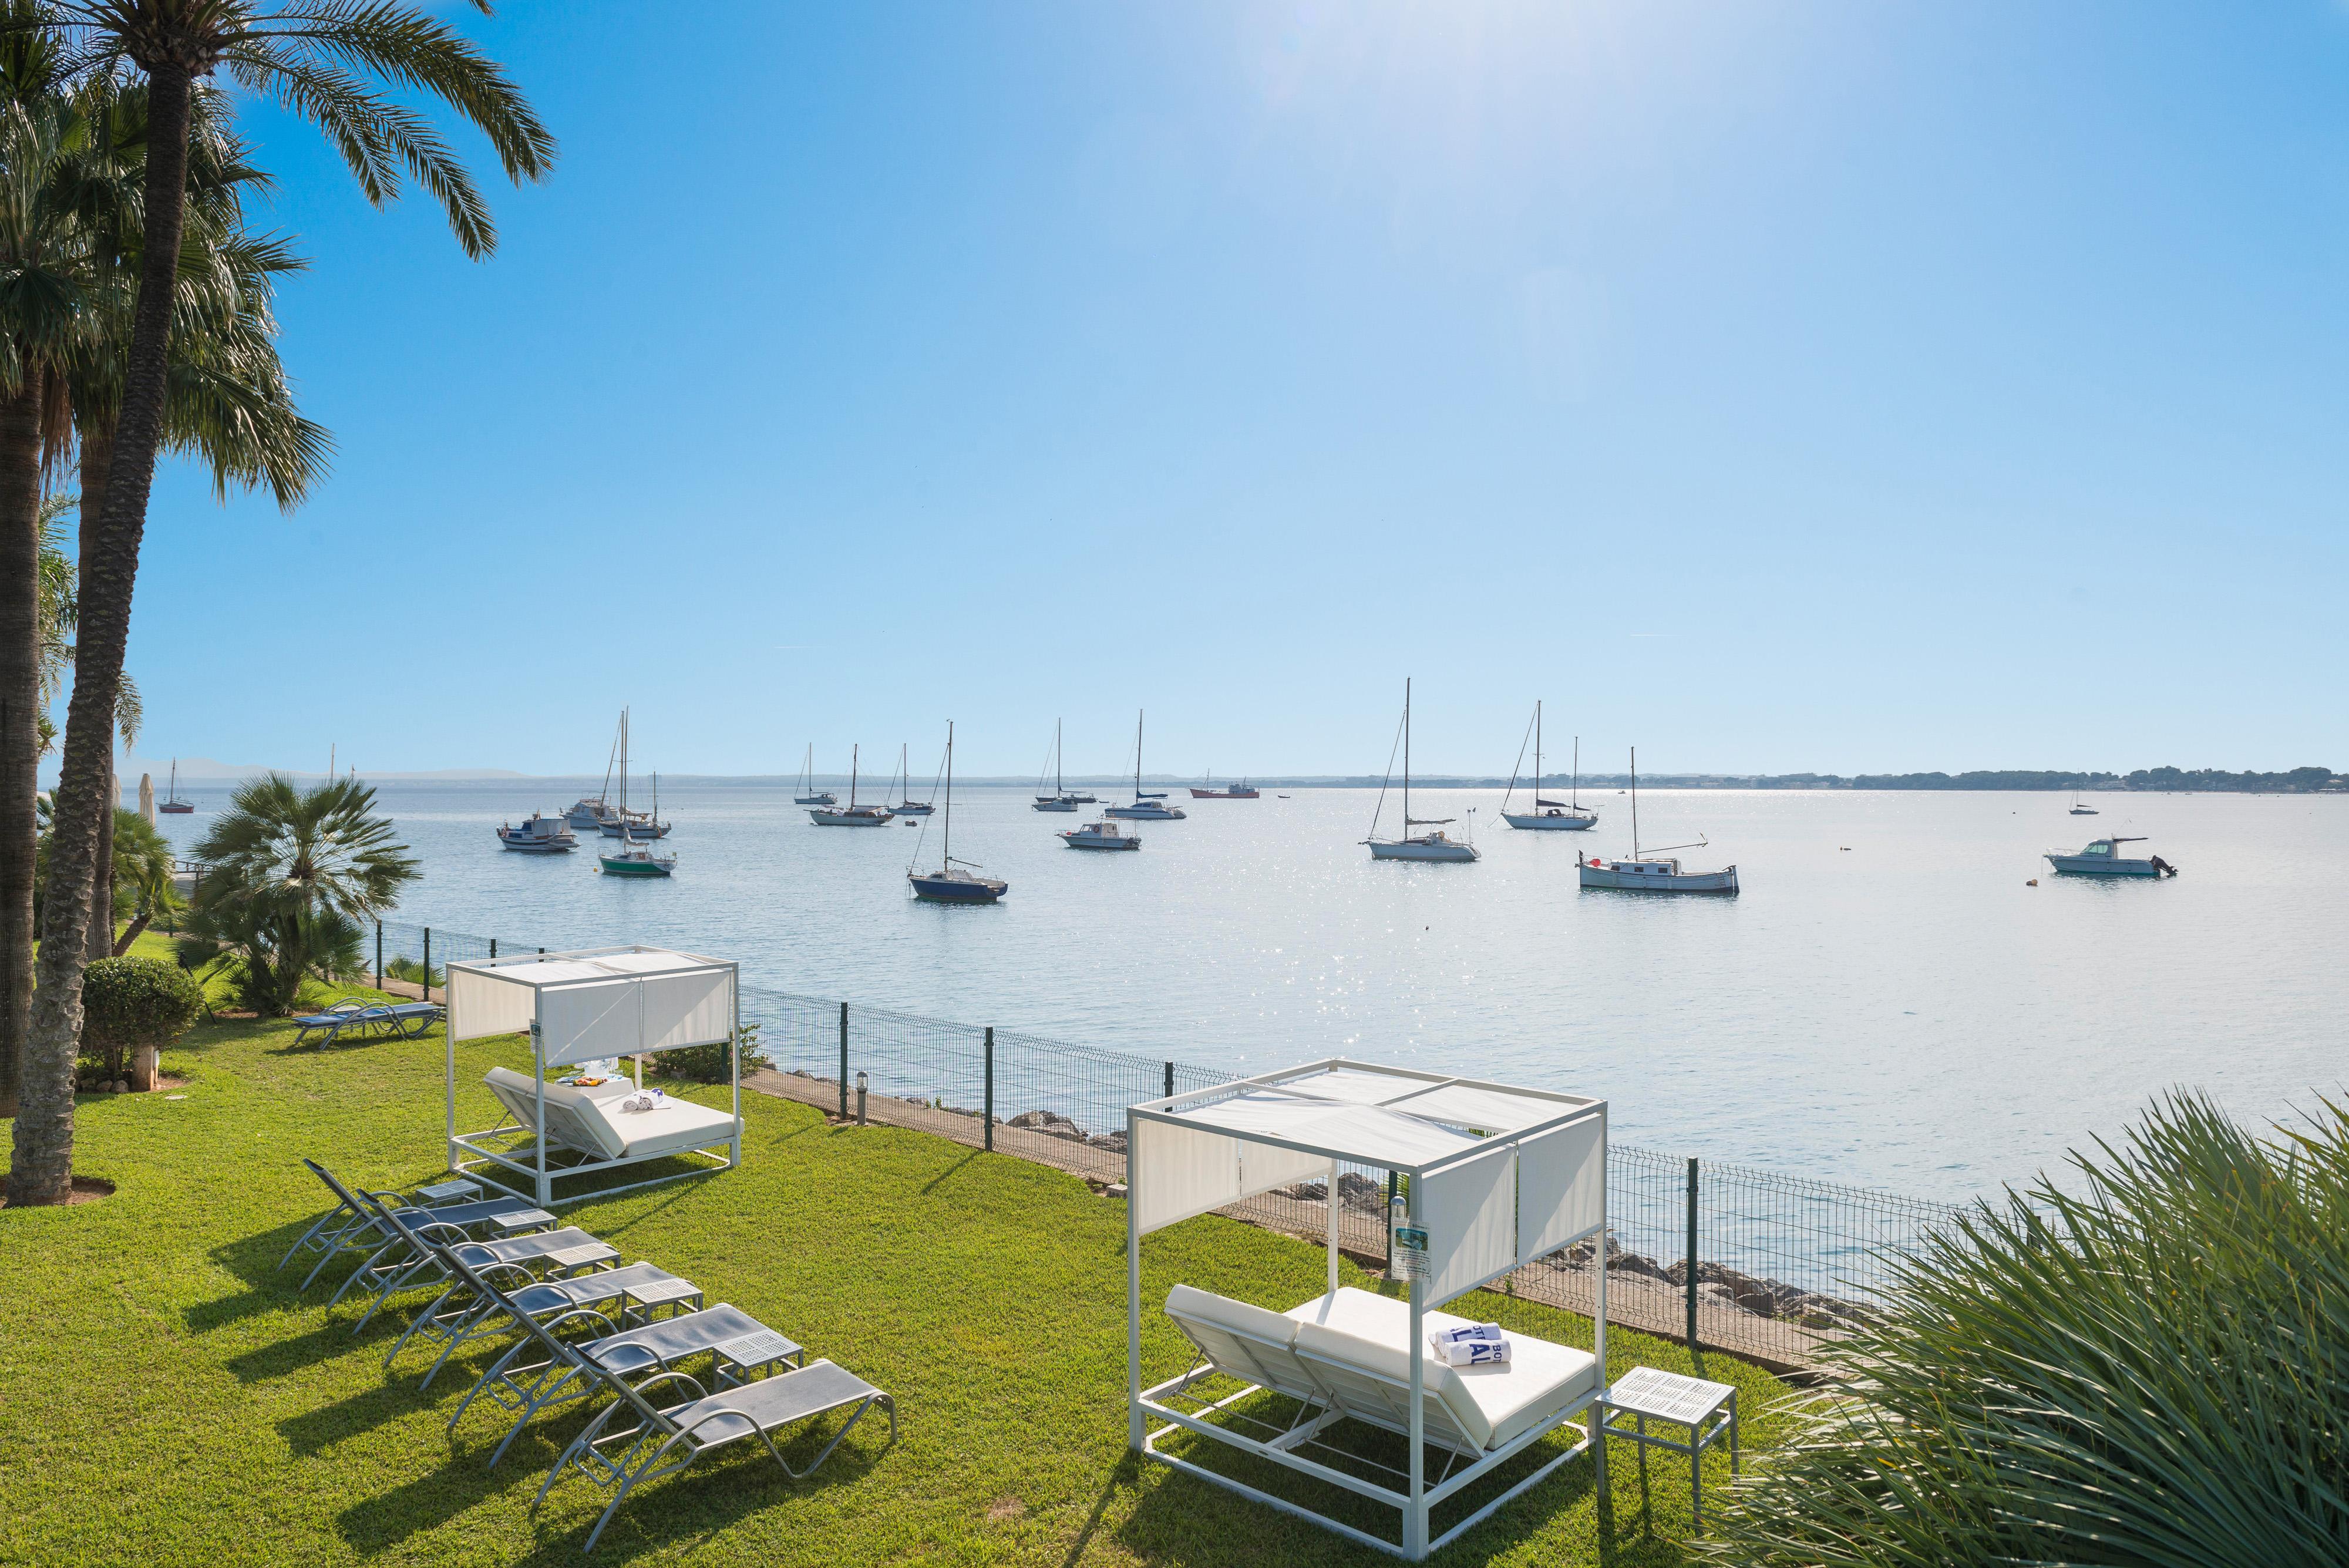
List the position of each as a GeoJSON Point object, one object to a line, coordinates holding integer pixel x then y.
{"type": "Point", "coordinates": [1417, 1500]}
{"type": "Point", "coordinates": [472, 1153]}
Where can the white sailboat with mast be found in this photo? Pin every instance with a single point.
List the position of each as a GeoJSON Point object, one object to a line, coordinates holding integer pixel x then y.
{"type": "Point", "coordinates": [955, 881]}
{"type": "Point", "coordinates": [1653, 871]}
{"type": "Point", "coordinates": [809, 794]}
{"type": "Point", "coordinates": [852, 814]}
{"type": "Point", "coordinates": [171, 805]}
{"type": "Point", "coordinates": [1568, 816]}
{"type": "Point", "coordinates": [1147, 807]}
{"type": "Point", "coordinates": [906, 805]}
{"type": "Point", "coordinates": [620, 822]}
{"type": "Point", "coordinates": [1060, 799]}
{"type": "Point", "coordinates": [1436, 844]}
{"type": "Point", "coordinates": [592, 811]}
{"type": "Point", "coordinates": [636, 857]}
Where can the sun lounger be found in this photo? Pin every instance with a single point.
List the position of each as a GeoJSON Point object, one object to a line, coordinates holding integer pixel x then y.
{"type": "Point", "coordinates": [363, 1017]}
{"type": "Point", "coordinates": [561, 1373]}
{"type": "Point", "coordinates": [347, 1227]}
{"type": "Point", "coordinates": [403, 1264]}
{"type": "Point", "coordinates": [668, 1437]}
{"type": "Point", "coordinates": [589, 1122]}
{"type": "Point", "coordinates": [1347, 1355]}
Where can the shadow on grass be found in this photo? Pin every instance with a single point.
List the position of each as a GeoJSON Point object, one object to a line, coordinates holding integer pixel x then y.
{"type": "Point", "coordinates": [720, 1490]}
{"type": "Point", "coordinates": [949, 1174]}
{"type": "Point", "coordinates": [315, 1431]}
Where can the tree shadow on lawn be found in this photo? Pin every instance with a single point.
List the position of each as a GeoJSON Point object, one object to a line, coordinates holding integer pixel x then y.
{"type": "Point", "coordinates": [719, 1490]}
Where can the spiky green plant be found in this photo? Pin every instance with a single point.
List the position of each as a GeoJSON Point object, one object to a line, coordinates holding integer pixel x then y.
{"type": "Point", "coordinates": [2147, 1364]}
{"type": "Point", "coordinates": [292, 875]}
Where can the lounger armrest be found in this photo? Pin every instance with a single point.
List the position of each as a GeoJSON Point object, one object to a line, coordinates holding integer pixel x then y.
{"type": "Point", "coordinates": [523, 1277]}
{"type": "Point", "coordinates": [567, 1313]}
{"type": "Point", "coordinates": [690, 1382]}
{"type": "Point", "coordinates": [721, 1411]}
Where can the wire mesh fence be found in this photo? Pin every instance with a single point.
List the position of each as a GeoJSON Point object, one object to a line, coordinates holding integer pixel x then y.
{"type": "Point", "coordinates": [1783, 1265]}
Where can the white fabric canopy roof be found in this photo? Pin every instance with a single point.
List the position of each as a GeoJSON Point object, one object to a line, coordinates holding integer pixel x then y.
{"type": "Point", "coordinates": [586, 1006]}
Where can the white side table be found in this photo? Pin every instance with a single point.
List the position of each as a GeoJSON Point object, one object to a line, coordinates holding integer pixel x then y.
{"type": "Point", "coordinates": [1709, 1411]}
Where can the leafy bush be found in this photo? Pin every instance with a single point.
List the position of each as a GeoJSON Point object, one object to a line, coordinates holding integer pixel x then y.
{"type": "Point", "coordinates": [706, 1064]}
{"type": "Point", "coordinates": [414, 972]}
{"type": "Point", "coordinates": [2153, 1368]}
{"type": "Point", "coordinates": [127, 1003]}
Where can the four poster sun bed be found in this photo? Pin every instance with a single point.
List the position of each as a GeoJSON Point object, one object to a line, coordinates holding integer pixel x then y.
{"type": "Point", "coordinates": [1495, 1177]}
{"type": "Point", "coordinates": [591, 1007]}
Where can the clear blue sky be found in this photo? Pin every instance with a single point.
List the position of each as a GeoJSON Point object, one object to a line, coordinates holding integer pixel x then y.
{"type": "Point", "coordinates": [1805, 386]}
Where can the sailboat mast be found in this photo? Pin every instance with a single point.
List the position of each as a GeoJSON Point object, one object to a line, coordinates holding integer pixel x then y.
{"type": "Point", "coordinates": [945, 854]}
{"type": "Point", "coordinates": [1635, 802]}
{"type": "Point", "coordinates": [624, 762]}
{"type": "Point", "coordinates": [1137, 753]}
{"type": "Point", "coordinates": [1058, 789]}
{"type": "Point", "coordinates": [851, 778]}
{"type": "Point", "coordinates": [1406, 756]}
{"type": "Point", "coordinates": [1537, 756]}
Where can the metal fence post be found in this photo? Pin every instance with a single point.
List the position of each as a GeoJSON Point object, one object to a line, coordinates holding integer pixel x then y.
{"type": "Point", "coordinates": [1691, 1255]}
{"type": "Point", "coordinates": [988, 1113]}
{"type": "Point", "coordinates": [844, 1061]}
{"type": "Point", "coordinates": [379, 955]}
{"type": "Point", "coordinates": [1170, 1081]}
{"type": "Point", "coordinates": [493, 947]}
{"type": "Point", "coordinates": [428, 963]}
{"type": "Point", "coordinates": [1390, 1211]}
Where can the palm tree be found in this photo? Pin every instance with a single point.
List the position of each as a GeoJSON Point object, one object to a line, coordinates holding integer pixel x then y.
{"type": "Point", "coordinates": [290, 873]}
{"type": "Point", "coordinates": [319, 59]}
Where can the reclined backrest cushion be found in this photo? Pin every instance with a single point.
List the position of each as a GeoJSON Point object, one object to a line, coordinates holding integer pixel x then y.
{"type": "Point", "coordinates": [1243, 1340]}
{"type": "Point", "coordinates": [572, 1115]}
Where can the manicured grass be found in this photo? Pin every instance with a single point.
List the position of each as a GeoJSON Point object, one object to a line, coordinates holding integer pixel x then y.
{"type": "Point", "coordinates": [165, 1398]}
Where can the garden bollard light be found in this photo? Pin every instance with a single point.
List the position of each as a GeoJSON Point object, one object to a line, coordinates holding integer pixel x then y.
{"type": "Point", "coordinates": [860, 1099]}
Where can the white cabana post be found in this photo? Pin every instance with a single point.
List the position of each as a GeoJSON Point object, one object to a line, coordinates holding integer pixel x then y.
{"type": "Point", "coordinates": [589, 1006]}
{"type": "Point", "coordinates": [1497, 1178]}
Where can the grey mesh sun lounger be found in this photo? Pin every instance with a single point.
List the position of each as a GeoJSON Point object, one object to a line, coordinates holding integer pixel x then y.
{"type": "Point", "coordinates": [666, 1438]}
{"type": "Point", "coordinates": [405, 1265]}
{"type": "Point", "coordinates": [349, 1227]}
{"type": "Point", "coordinates": [361, 1015]}
{"type": "Point", "coordinates": [565, 1371]}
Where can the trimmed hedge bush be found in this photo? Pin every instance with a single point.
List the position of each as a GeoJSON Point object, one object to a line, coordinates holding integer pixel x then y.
{"type": "Point", "coordinates": [127, 1003]}
{"type": "Point", "coordinates": [706, 1064]}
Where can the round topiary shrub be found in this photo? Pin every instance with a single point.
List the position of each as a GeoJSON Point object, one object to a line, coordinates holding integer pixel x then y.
{"type": "Point", "coordinates": [127, 1004]}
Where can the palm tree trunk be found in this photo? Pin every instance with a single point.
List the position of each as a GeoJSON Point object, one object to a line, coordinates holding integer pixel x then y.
{"type": "Point", "coordinates": [41, 1165]}
{"type": "Point", "coordinates": [96, 456]}
{"type": "Point", "coordinates": [20, 745]}
{"type": "Point", "coordinates": [131, 933]}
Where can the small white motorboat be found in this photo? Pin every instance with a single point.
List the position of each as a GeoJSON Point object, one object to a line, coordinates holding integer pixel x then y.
{"type": "Point", "coordinates": [1655, 871]}
{"type": "Point", "coordinates": [1103, 834]}
{"type": "Point", "coordinates": [1432, 845]}
{"type": "Point", "coordinates": [542, 835]}
{"type": "Point", "coordinates": [2104, 858]}
{"type": "Point", "coordinates": [586, 813]}
{"type": "Point", "coordinates": [852, 814]}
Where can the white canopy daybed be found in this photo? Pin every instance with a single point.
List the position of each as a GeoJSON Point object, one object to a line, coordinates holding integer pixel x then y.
{"type": "Point", "coordinates": [1496, 1175]}
{"type": "Point", "coordinates": [592, 1006]}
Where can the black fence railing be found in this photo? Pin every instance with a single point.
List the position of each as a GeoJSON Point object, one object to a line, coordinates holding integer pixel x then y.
{"type": "Point", "coordinates": [1783, 1265]}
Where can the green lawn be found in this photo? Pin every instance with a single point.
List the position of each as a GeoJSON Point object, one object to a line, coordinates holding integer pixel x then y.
{"type": "Point", "coordinates": [165, 1398]}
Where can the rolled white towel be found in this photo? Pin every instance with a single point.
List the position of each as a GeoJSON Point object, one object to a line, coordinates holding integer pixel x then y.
{"type": "Point", "coordinates": [644, 1100]}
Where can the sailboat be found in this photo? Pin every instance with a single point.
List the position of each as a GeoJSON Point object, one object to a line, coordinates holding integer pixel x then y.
{"type": "Point", "coordinates": [906, 805]}
{"type": "Point", "coordinates": [1146, 806]}
{"type": "Point", "coordinates": [1060, 799]}
{"type": "Point", "coordinates": [1651, 872]}
{"type": "Point", "coordinates": [809, 794]}
{"type": "Point", "coordinates": [951, 883]}
{"type": "Point", "coordinates": [2079, 809]}
{"type": "Point", "coordinates": [1566, 815]}
{"type": "Point", "coordinates": [621, 822]}
{"type": "Point", "coordinates": [173, 803]}
{"type": "Point", "coordinates": [589, 811]}
{"type": "Point", "coordinates": [1434, 846]}
{"type": "Point", "coordinates": [635, 858]}
{"type": "Point", "coordinates": [852, 814]}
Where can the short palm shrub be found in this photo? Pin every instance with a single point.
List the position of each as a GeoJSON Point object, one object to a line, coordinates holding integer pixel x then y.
{"type": "Point", "coordinates": [291, 876]}
{"type": "Point", "coordinates": [414, 971]}
{"type": "Point", "coordinates": [130, 1002]}
{"type": "Point", "coordinates": [2151, 1367]}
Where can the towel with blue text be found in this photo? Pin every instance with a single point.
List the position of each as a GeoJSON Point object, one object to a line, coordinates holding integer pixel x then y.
{"type": "Point", "coordinates": [1470, 1344]}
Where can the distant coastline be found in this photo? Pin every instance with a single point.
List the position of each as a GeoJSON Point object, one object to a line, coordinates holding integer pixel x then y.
{"type": "Point", "coordinates": [2150, 781]}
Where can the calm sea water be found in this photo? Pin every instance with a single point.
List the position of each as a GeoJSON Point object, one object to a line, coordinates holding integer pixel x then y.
{"type": "Point", "coordinates": [1887, 1003]}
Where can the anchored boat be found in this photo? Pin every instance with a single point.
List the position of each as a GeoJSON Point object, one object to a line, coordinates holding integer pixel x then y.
{"type": "Point", "coordinates": [955, 881]}
{"type": "Point", "coordinates": [906, 805]}
{"type": "Point", "coordinates": [635, 858]}
{"type": "Point", "coordinates": [852, 814]}
{"type": "Point", "coordinates": [2103, 857]}
{"type": "Point", "coordinates": [1434, 846]}
{"type": "Point", "coordinates": [1146, 806]}
{"type": "Point", "coordinates": [542, 835]}
{"type": "Point", "coordinates": [172, 804]}
{"type": "Point", "coordinates": [1239, 790]}
{"type": "Point", "coordinates": [1060, 799]}
{"type": "Point", "coordinates": [1566, 815]}
{"type": "Point", "coordinates": [1102, 834]}
{"type": "Point", "coordinates": [620, 822]}
{"type": "Point", "coordinates": [809, 794]}
{"type": "Point", "coordinates": [2079, 809]}
{"type": "Point", "coordinates": [1652, 873]}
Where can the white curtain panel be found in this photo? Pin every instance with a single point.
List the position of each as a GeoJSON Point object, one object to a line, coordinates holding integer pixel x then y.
{"type": "Point", "coordinates": [685, 1009]}
{"type": "Point", "coordinates": [589, 1023]}
{"type": "Point", "coordinates": [1469, 1211]}
{"type": "Point", "coordinates": [1177, 1171]}
{"type": "Point", "coordinates": [483, 1004]}
{"type": "Point", "coordinates": [1561, 1188]}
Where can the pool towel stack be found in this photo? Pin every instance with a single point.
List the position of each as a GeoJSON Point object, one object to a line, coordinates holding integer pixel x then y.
{"type": "Point", "coordinates": [1472, 1345]}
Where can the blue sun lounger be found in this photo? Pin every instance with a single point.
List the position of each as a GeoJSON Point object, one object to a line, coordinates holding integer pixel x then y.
{"type": "Point", "coordinates": [362, 1016]}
